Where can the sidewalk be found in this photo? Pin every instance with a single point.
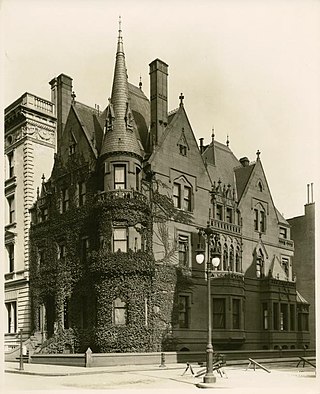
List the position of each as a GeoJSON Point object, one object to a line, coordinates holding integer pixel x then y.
{"type": "Point", "coordinates": [237, 379]}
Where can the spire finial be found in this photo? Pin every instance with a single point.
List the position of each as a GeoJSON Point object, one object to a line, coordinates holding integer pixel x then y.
{"type": "Point", "coordinates": [228, 140]}
{"type": "Point", "coordinates": [120, 31]}
{"type": "Point", "coordinates": [43, 178]}
{"type": "Point", "coordinates": [213, 148]}
{"type": "Point", "coordinates": [140, 83]}
{"type": "Point", "coordinates": [212, 134]}
{"type": "Point", "coordinates": [181, 97]}
{"type": "Point", "coordinates": [258, 154]}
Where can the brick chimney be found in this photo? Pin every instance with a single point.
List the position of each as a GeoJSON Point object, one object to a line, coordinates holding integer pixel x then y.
{"type": "Point", "coordinates": [61, 96]}
{"type": "Point", "coordinates": [158, 99]}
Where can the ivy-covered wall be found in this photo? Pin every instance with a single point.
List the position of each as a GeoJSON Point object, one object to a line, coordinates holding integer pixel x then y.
{"type": "Point", "coordinates": [78, 291]}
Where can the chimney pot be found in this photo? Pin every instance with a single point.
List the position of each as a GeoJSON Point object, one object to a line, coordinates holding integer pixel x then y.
{"type": "Point", "coordinates": [244, 161]}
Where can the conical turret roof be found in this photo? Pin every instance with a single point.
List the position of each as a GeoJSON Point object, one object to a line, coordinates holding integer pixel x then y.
{"type": "Point", "coordinates": [120, 134]}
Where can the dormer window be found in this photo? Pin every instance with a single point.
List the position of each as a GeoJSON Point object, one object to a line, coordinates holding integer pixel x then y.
{"type": "Point", "coordinates": [183, 144]}
{"type": "Point", "coordinates": [72, 144]}
{"type": "Point", "coordinates": [183, 150]}
{"type": "Point", "coordinates": [283, 233]}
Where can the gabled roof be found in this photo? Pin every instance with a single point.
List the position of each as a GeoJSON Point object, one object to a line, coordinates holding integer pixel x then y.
{"type": "Point", "coordinates": [242, 175]}
{"type": "Point", "coordinates": [281, 219]}
{"type": "Point", "coordinates": [300, 299]}
{"type": "Point", "coordinates": [172, 114]}
{"type": "Point", "coordinates": [174, 118]}
{"type": "Point", "coordinates": [88, 119]}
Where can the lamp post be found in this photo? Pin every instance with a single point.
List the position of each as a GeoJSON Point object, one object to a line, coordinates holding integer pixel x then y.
{"type": "Point", "coordinates": [213, 259]}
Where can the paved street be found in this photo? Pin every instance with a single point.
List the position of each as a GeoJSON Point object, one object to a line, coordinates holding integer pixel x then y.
{"type": "Point", "coordinates": [153, 379]}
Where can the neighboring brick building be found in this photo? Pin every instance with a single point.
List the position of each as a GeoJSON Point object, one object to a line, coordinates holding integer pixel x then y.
{"type": "Point", "coordinates": [303, 235]}
{"type": "Point", "coordinates": [113, 261]}
{"type": "Point", "coordinates": [30, 125]}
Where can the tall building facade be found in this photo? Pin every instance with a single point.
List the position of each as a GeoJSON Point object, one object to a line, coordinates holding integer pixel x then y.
{"type": "Point", "coordinates": [115, 232]}
{"type": "Point", "coordinates": [30, 125]}
{"type": "Point", "coordinates": [303, 233]}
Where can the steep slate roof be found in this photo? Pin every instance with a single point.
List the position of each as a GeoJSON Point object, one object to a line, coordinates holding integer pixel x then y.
{"type": "Point", "coordinates": [242, 175]}
{"type": "Point", "coordinates": [140, 107]}
{"type": "Point", "coordinates": [122, 135]}
{"type": "Point", "coordinates": [90, 123]}
{"type": "Point", "coordinates": [281, 219]}
{"type": "Point", "coordinates": [225, 162]}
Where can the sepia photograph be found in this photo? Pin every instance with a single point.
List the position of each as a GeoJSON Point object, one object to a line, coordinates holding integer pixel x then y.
{"type": "Point", "coordinates": [160, 181]}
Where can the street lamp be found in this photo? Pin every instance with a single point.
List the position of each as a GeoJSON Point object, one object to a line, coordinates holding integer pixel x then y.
{"type": "Point", "coordinates": [213, 259]}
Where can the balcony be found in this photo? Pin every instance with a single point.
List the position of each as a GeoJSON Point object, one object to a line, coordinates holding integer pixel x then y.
{"type": "Point", "coordinates": [225, 226]}
{"type": "Point", "coordinates": [31, 101]}
{"type": "Point", "coordinates": [122, 194]}
{"type": "Point", "coordinates": [228, 275]}
{"type": "Point", "coordinates": [287, 243]}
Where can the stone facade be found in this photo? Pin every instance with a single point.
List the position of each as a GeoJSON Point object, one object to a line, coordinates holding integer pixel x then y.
{"type": "Point", "coordinates": [30, 127]}
{"type": "Point", "coordinates": [115, 233]}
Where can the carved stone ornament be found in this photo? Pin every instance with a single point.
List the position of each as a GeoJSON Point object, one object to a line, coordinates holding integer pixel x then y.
{"type": "Point", "coordinates": [40, 133]}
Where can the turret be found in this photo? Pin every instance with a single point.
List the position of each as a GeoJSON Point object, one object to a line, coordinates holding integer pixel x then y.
{"type": "Point", "coordinates": [121, 153]}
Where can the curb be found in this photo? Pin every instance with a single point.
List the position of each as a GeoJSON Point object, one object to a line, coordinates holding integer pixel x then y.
{"type": "Point", "coordinates": [88, 372]}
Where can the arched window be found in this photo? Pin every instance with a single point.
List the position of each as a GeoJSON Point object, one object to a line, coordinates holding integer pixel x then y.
{"type": "Point", "coordinates": [231, 258]}
{"type": "Point", "coordinates": [225, 257]}
{"type": "Point", "coordinates": [238, 260]}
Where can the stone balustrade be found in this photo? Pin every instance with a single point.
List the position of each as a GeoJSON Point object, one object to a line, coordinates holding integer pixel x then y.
{"type": "Point", "coordinates": [225, 226]}
{"type": "Point", "coordinates": [123, 194]}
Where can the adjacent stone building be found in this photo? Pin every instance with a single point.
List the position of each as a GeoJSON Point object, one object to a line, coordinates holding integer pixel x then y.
{"type": "Point", "coordinates": [303, 234]}
{"type": "Point", "coordinates": [115, 232]}
{"type": "Point", "coordinates": [30, 125]}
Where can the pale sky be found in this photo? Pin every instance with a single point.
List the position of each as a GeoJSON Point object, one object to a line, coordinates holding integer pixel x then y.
{"type": "Point", "coordinates": [251, 69]}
